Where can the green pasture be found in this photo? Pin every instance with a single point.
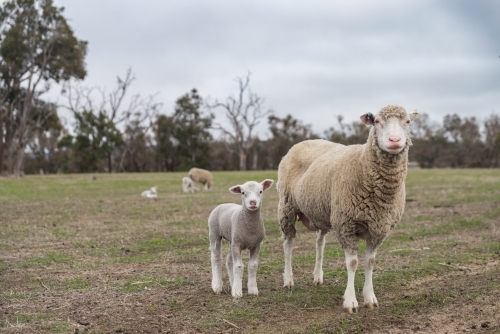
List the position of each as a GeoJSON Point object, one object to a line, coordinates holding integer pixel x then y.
{"type": "Point", "coordinates": [93, 235]}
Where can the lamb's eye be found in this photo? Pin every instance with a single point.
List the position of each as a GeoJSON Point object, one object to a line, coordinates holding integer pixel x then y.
{"type": "Point", "coordinates": [377, 121]}
{"type": "Point", "coordinates": [261, 191]}
{"type": "Point", "coordinates": [243, 193]}
{"type": "Point", "coordinates": [408, 122]}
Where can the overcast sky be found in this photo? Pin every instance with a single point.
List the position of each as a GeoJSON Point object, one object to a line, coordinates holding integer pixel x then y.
{"type": "Point", "coordinates": [311, 59]}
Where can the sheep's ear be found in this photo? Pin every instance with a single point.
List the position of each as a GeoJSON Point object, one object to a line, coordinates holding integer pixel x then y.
{"type": "Point", "coordinates": [413, 115]}
{"type": "Point", "coordinates": [267, 183]}
{"type": "Point", "coordinates": [368, 118]}
{"type": "Point", "coordinates": [235, 189]}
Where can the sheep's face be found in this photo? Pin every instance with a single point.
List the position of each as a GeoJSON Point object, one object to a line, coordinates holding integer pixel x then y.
{"type": "Point", "coordinates": [251, 193]}
{"type": "Point", "coordinates": [391, 127]}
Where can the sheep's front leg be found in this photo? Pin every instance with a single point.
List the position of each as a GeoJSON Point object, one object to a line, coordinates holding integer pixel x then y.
{"type": "Point", "coordinates": [236, 288]}
{"type": "Point", "coordinates": [288, 274]}
{"type": "Point", "coordinates": [350, 302]}
{"type": "Point", "coordinates": [253, 264]}
{"type": "Point", "coordinates": [216, 259]}
{"type": "Point", "coordinates": [318, 268]}
{"type": "Point", "coordinates": [368, 294]}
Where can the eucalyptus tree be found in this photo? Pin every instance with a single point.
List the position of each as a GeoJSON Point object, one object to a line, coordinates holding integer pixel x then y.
{"type": "Point", "coordinates": [37, 47]}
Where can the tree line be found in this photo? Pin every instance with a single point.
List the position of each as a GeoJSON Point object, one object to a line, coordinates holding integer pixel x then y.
{"type": "Point", "coordinates": [115, 131]}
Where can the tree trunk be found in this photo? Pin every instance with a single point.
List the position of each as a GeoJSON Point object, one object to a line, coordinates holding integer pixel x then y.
{"type": "Point", "coordinates": [109, 162]}
{"type": "Point", "coordinates": [1, 143]}
{"type": "Point", "coordinates": [243, 161]}
{"type": "Point", "coordinates": [255, 160]}
{"type": "Point", "coordinates": [19, 159]}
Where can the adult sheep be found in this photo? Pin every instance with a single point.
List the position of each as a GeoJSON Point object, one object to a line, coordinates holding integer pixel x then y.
{"type": "Point", "coordinates": [358, 191]}
{"type": "Point", "coordinates": [202, 176]}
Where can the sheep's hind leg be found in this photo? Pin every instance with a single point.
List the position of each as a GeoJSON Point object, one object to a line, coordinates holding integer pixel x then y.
{"type": "Point", "coordinates": [368, 294]}
{"type": "Point", "coordinates": [253, 264]}
{"type": "Point", "coordinates": [350, 302]}
{"type": "Point", "coordinates": [320, 247]}
{"type": "Point", "coordinates": [236, 288]}
{"type": "Point", "coordinates": [216, 258]}
{"type": "Point", "coordinates": [288, 274]}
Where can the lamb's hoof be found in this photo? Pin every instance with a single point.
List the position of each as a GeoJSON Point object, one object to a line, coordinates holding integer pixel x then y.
{"type": "Point", "coordinates": [217, 290]}
{"type": "Point", "coordinates": [288, 282]}
{"type": "Point", "coordinates": [318, 282]}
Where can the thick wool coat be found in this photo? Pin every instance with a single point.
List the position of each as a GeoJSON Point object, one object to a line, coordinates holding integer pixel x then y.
{"type": "Point", "coordinates": [202, 176]}
{"type": "Point", "coordinates": [358, 191]}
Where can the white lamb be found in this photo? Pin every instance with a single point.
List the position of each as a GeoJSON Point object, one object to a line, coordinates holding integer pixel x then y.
{"type": "Point", "coordinates": [358, 191]}
{"type": "Point", "coordinates": [151, 193]}
{"type": "Point", "coordinates": [188, 185]}
{"type": "Point", "coordinates": [243, 227]}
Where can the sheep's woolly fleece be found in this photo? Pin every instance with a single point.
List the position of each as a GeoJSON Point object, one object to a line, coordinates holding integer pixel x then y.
{"type": "Point", "coordinates": [358, 188]}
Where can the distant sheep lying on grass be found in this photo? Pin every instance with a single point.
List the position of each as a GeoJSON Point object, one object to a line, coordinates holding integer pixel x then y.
{"type": "Point", "coordinates": [358, 191]}
{"type": "Point", "coordinates": [202, 176]}
{"type": "Point", "coordinates": [151, 193]}
{"type": "Point", "coordinates": [188, 185]}
{"type": "Point", "coordinates": [243, 227]}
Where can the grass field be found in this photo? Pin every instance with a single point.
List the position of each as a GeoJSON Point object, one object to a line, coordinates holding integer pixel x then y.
{"type": "Point", "coordinates": [79, 255]}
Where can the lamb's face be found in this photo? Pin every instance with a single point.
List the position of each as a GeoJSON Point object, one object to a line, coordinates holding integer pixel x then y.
{"type": "Point", "coordinates": [391, 127]}
{"type": "Point", "coordinates": [251, 193]}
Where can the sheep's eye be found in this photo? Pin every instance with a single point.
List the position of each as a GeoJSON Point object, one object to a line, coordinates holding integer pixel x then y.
{"type": "Point", "coordinates": [408, 122]}
{"type": "Point", "coordinates": [243, 193]}
{"type": "Point", "coordinates": [377, 121]}
{"type": "Point", "coordinates": [261, 191]}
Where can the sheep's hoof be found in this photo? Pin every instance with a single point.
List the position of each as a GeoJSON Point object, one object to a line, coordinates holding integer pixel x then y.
{"type": "Point", "coordinates": [369, 306]}
{"type": "Point", "coordinates": [352, 310]}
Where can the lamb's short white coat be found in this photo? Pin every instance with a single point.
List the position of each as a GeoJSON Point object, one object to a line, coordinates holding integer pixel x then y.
{"type": "Point", "coordinates": [188, 185]}
{"type": "Point", "coordinates": [150, 193]}
{"type": "Point", "coordinates": [243, 226]}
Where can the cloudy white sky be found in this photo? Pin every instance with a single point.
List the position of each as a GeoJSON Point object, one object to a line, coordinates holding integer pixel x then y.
{"type": "Point", "coordinates": [311, 59]}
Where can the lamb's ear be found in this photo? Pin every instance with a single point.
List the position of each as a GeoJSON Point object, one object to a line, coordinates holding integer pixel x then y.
{"type": "Point", "coordinates": [267, 183]}
{"type": "Point", "coordinates": [413, 115]}
{"type": "Point", "coordinates": [368, 118]}
{"type": "Point", "coordinates": [235, 189]}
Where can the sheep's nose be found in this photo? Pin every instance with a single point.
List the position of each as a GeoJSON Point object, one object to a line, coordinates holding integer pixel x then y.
{"type": "Point", "coordinates": [394, 139]}
{"type": "Point", "coordinates": [253, 203]}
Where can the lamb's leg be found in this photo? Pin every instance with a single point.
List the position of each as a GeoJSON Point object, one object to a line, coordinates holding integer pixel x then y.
{"type": "Point", "coordinates": [369, 295]}
{"type": "Point", "coordinates": [288, 274]}
{"type": "Point", "coordinates": [253, 264]}
{"type": "Point", "coordinates": [236, 288]}
{"type": "Point", "coordinates": [216, 258]}
{"type": "Point", "coordinates": [350, 302]}
{"type": "Point", "coordinates": [229, 266]}
{"type": "Point", "coordinates": [320, 247]}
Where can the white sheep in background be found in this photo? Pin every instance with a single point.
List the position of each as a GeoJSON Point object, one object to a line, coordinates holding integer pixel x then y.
{"type": "Point", "coordinates": [188, 185]}
{"type": "Point", "coordinates": [243, 227]}
{"type": "Point", "coordinates": [358, 191]}
{"type": "Point", "coordinates": [151, 193]}
{"type": "Point", "coordinates": [202, 176]}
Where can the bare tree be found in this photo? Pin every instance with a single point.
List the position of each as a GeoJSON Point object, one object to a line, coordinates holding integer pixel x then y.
{"type": "Point", "coordinates": [139, 122]}
{"type": "Point", "coordinates": [135, 115]}
{"type": "Point", "coordinates": [244, 113]}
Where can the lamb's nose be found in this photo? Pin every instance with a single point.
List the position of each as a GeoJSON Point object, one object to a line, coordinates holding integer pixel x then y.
{"type": "Point", "coordinates": [395, 139]}
{"type": "Point", "coordinates": [253, 203]}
